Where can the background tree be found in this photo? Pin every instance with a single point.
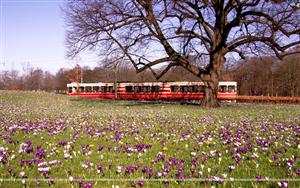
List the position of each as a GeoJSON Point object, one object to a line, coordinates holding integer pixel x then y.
{"type": "Point", "coordinates": [48, 82]}
{"type": "Point", "coordinates": [254, 80]}
{"type": "Point", "coordinates": [155, 32]}
{"type": "Point", "coordinates": [11, 80]}
{"type": "Point", "coordinates": [288, 76]}
{"type": "Point", "coordinates": [74, 74]}
{"type": "Point", "coordinates": [276, 78]}
{"type": "Point", "coordinates": [61, 80]}
{"type": "Point", "coordinates": [34, 79]}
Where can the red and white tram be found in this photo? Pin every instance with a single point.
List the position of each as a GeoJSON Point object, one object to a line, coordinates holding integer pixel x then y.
{"type": "Point", "coordinates": [150, 90]}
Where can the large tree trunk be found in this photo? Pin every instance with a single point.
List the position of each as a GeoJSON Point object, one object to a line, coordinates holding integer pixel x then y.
{"type": "Point", "coordinates": [210, 93]}
{"type": "Point", "coordinates": [211, 81]}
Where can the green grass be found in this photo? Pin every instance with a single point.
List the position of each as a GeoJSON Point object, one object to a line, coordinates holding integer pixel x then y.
{"type": "Point", "coordinates": [258, 140]}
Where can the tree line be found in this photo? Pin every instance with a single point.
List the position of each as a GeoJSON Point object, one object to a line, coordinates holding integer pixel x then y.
{"type": "Point", "coordinates": [256, 76]}
{"type": "Point", "coordinates": [268, 76]}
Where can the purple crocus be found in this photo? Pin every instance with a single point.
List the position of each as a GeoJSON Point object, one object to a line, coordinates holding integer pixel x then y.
{"type": "Point", "coordinates": [80, 182]}
{"type": "Point", "coordinates": [10, 170]}
{"type": "Point", "coordinates": [40, 153]}
{"type": "Point", "coordinates": [100, 148]}
{"type": "Point", "coordinates": [258, 177]}
{"type": "Point", "coordinates": [62, 143]}
{"type": "Point", "coordinates": [140, 182]}
{"type": "Point", "coordinates": [87, 185]}
{"type": "Point", "coordinates": [192, 170]}
{"type": "Point", "coordinates": [50, 181]}
{"type": "Point", "coordinates": [166, 182]}
{"type": "Point", "coordinates": [150, 172]}
{"type": "Point", "coordinates": [144, 169]}
{"type": "Point", "coordinates": [99, 169]}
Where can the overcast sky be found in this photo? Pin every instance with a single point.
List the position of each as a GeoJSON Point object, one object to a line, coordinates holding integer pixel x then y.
{"type": "Point", "coordinates": [33, 31]}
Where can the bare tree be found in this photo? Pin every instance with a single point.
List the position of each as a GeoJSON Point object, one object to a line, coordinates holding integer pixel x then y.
{"type": "Point", "coordinates": [48, 82]}
{"type": "Point", "coordinates": [149, 33]}
{"type": "Point", "coordinates": [75, 74]}
{"type": "Point", "coordinates": [34, 79]}
{"type": "Point", "coordinates": [289, 76]}
{"type": "Point", "coordinates": [254, 80]}
{"type": "Point", "coordinates": [61, 80]}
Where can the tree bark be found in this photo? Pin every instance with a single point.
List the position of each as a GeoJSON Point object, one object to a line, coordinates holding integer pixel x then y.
{"type": "Point", "coordinates": [210, 94]}
{"type": "Point", "coordinates": [211, 80]}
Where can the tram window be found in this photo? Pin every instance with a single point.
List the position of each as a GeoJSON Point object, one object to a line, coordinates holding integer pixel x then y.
{"type": "Point", "coordinates": [199, 89]}
{"type": "Point", "coordinates": [102, 89]}
{"type": "Point", "coordinates": [137, 89]}
{"type": "Point", "coordinates": [128, 89]}
{"type": "Point", "coordinates": [146, 89]}
{"type": "Point", "coordinates": [110, 89]}
{"type": "Point", "coordinates": [96, 88]}
{"type": "Point", "coordinates": [88, 89]}
{"type": "Point", "coordinates": [223, 89]}
{"type": "Point", "coordinates": [81, 89]}
{"type": "Point", "coordinates": [155, 89]}
{"type": "Point", "coordinates": [231, 89]}
{"type": "Point", "coordinates": [184, 89]}
{"type": "Point", "coordinates": [70, 89]}
{"type": "Point", "coordinates": [192, 89]}
{"type": "Point", "coordinates": [174, 89]}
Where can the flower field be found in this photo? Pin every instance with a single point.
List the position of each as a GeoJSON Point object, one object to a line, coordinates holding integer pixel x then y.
{"type": "Point", "coordinates": [55, 140]}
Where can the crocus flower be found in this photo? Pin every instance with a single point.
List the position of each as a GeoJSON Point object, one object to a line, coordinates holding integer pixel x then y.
{"type": "Point", "coordinates": [100, 148]}
{"type": "Point", "coordinates": [231, 167]}
{"type": "Point", "coordinates": [99, 169]}
{"type": "Point", "coordinates": [71, 178]}
{"type": "Point", "coordinates": [119, 169]}
{"type": "Point", "coordinates": [144, 169]}
{"type": "Point", "coordinates": [150, 172]}
{"type": "Point", "coordinates": [140, 182]}
{"type": "Point", "coordinates": [22, 174]}
{"type": "Point", "coordinates": [166, 181]}
{"type": "Point", "coordinates": [87, 185]}
{"type": "Point", "coordinates": [282, 184]}
{"type": "Point", "coordinates": [10, 170]}
{"type": "Point", "coordinates": [50, 181]}
{"type": "Point", "coordinates": [258, 177]}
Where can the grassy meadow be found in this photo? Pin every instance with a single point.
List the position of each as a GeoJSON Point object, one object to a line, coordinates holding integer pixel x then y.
{"type": "Point", "coordinates": [55, 140]}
